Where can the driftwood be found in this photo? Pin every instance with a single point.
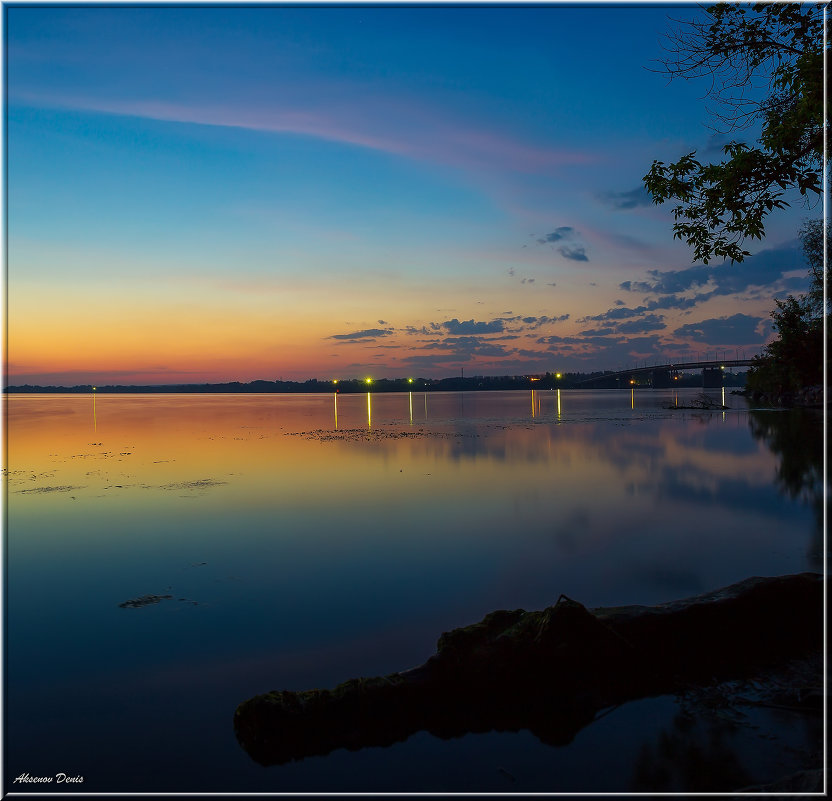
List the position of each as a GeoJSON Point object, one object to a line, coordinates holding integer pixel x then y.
{"type": "Point", "coordinates": [549, 671]}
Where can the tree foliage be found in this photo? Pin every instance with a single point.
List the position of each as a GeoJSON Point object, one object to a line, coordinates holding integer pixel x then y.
{"type": "Point", "coordinates": [795, 358]}
{"type": "Point", "coordinates": [765, 66]}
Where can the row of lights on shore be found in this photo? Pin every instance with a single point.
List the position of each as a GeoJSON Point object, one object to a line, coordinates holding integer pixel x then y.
{"type": "Point", "coordinates": [369, 381]}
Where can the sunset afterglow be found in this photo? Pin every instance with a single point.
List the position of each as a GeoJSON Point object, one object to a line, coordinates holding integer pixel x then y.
{"type": "Point", "coordinates": [209, 194]}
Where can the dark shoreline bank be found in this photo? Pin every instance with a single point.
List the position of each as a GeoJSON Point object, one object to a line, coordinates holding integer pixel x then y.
{"type": "Point", "coordinates": [806, 398]}
{"type": "Point", "coordinates": [551, 671]}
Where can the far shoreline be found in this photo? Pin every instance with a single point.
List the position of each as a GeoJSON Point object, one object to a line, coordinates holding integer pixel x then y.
{"type": "Point", "coordinates": [548, 381]}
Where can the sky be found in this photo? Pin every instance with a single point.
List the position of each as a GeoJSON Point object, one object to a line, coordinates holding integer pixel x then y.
{"type": "Point", "coordinates": [209, 194]}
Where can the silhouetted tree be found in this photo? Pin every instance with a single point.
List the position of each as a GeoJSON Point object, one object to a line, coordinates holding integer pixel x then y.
{"type": "Point", "coordinates": [795, 358]}
{"type": "Point", "coordinates": [765, 64]}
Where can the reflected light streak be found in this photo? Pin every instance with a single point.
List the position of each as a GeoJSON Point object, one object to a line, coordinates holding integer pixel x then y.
{"type": "Point", "coordinates": [94, 421]}
{"type": "Point", "coordinates": [335, 396]}
{"type": "Point", "coordinates": [369, 413]}
{"type": "Point", "coordinates": [632, 399]}
{"type": "Point", "coordinates": [410, 398]}
{"type": "Point", "coordinates": [532, 404]}
{"type": "Point", "coordinates": [558, 404]}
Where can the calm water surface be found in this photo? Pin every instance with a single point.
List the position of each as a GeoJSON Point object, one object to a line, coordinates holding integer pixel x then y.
{"type": "Point", "coordinates": [307, 539]}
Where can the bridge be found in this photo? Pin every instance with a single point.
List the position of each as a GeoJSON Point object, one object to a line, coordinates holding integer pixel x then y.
{"type": "Point", "coordinates": [661, 375]}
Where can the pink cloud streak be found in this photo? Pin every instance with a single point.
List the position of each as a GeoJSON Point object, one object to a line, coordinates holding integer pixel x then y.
{"type": "Point", "coordinates": [405, 131]}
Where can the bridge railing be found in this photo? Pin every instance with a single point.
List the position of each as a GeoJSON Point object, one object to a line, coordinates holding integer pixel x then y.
{"type": "Point", "coordinates": [711, 363]}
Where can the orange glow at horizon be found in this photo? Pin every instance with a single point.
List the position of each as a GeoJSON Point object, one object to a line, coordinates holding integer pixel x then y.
{"type": "Point", "coordinates": [185, 329]}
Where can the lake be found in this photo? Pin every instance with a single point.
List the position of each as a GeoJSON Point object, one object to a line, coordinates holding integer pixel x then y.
{"type": "Point", "coordinates": [307, 539]}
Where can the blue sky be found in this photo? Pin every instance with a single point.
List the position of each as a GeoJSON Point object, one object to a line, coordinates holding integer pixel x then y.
{"type": "Point", "coordinates": [239, 193]}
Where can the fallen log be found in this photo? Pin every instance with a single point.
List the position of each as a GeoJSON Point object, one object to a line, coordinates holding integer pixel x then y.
{"type": "Point", "coordinates": [549, 671]}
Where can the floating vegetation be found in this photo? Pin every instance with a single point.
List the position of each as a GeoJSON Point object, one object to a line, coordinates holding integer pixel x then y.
{"type": "Point", "coordinates": [373, 435]}
{"type": "Point", "coordinates": [701, 402]}
{"type": "Point", "coordinates": [26, 475]}
{"type": "Point", "coordinates": [63, 488]}
{"type": "Point", "coordinates": [144, 600]}
{"type": "Point", "coordinates": [202, 483]}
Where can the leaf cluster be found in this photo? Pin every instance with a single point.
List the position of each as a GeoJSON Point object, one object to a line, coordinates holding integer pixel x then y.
{"type": "Point", "coordinates": [795, 358]}
{"type": "Point", "coordinates": [765, 64]}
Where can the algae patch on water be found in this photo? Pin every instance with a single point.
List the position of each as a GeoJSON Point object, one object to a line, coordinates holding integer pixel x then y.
{"type": "Point", "coordinates": [203, 483]}
{"type": "Point", "coordinates": [144, 600]}
{"type": "Point", "coordinates": [62, 488]}
{"type": "Point", "coordinates": [374, 435]}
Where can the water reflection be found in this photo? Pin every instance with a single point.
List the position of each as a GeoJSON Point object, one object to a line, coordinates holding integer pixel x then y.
{"type": "Point", "coordinates": [796, 439]}
{"type": "Point", "coordinates": [309, 538]}
{"type": "Point", "coordinates": [691, 756]}
{"type": "Point", "coordinates": [535, 403]}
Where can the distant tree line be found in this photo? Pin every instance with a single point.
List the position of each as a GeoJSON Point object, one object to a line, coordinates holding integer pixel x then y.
{"type": "Point", "coordinates": [353, 385]}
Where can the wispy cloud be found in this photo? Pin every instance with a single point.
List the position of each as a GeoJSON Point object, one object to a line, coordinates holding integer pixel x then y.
{"type": "Point", "coordinates": [763, 269]}
{"type": "Point", "coordinates": [564, 232]}
{"type": "Point", "coordinates": [635, 325]}
{"type": "Point", "coordinates": [460, 349]}
{"type": "Point", "coordinates": [367, 335]}
{"type": "Point", "coordinates": [384, 125]}
{"type": "Point", "coordinates": [624, 201]}
{"type": "Point", "coordinates": [576, 253]}
{"type": "Point", "coordinates": [570, 246]}
{"type": "Point", "coordinates": [736, 329]}
{"type": "Point", "coordinates": [621, 312]}
{"type": "Point", "coordinates": [641, 325]}
{"type": "Point", "coordinates": [536, 322]}
{"type": "Point", "coordinates": [471, 327]}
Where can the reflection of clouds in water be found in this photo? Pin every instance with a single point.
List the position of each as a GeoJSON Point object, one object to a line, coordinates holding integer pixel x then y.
{"type": "Point", "coordinates": [570, 531]}
{"type": "Point", "coordinates": [643, 447]}
{"type": "Point", "coordinates": [628, 452]}
{"type": "Point", "coordinates": [690, 484]}
{"type": "Point", "coordinates": [724, 439]}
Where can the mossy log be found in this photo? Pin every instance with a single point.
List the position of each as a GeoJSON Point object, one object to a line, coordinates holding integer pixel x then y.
{"type": "Point", "coordinates": [548, 671]}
